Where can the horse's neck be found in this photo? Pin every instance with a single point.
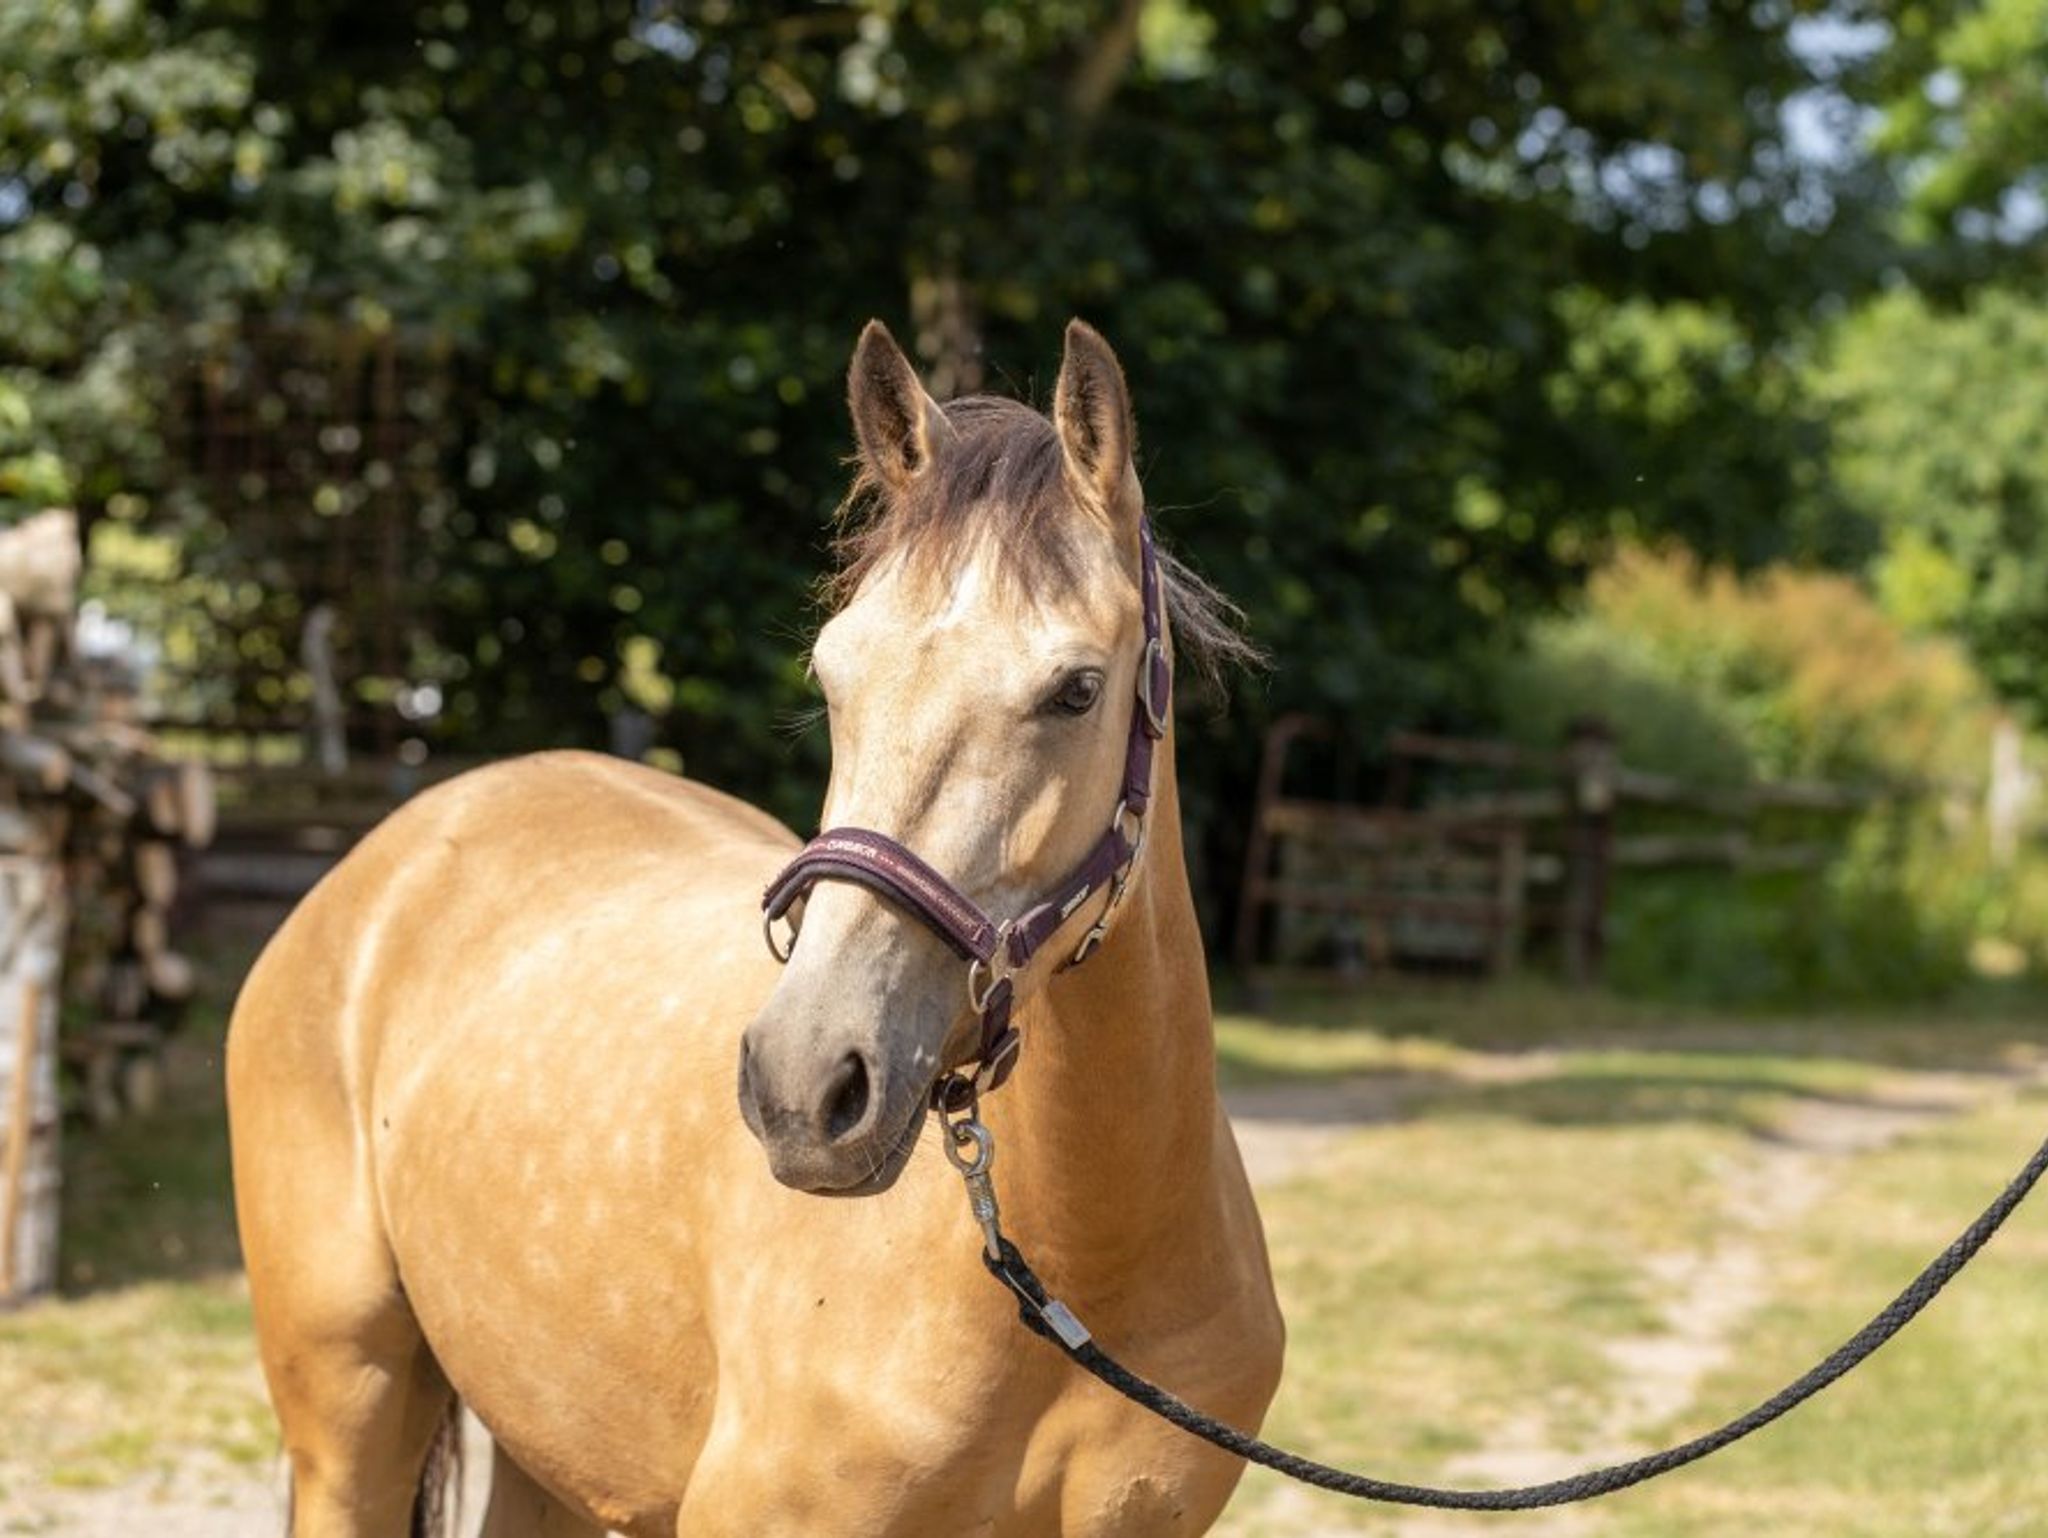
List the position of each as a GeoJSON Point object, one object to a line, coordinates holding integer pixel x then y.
{"type": "Point", "coordinates": [1106, 1133]}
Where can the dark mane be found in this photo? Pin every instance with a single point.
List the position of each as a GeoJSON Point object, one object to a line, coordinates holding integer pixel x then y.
{"type": "Point", "coordinates": [1001, 480]}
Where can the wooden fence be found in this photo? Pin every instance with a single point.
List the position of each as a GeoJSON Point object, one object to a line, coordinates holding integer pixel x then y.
{"type": "Point", "coordinates": [282, 827]}
{"type": "Point", "coordinates": [1445, 872]}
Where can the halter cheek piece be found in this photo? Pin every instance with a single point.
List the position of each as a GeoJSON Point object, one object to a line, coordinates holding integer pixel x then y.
{"type": "Point", "coordinates": [995, 952]}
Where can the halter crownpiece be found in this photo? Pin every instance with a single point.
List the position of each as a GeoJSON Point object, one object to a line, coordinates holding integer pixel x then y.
{"type": "Point", "coordinates": [995, 952]}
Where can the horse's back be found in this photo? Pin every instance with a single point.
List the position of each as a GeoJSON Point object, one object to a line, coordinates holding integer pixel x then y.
{"type": "Point", "coordinates": [495, 871]}
{"type": "Point", "coordinates": [533, 841]}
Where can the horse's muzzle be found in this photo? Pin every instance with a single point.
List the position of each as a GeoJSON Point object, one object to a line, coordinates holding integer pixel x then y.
{"type": "Point", "coordinates": [831, 1122]}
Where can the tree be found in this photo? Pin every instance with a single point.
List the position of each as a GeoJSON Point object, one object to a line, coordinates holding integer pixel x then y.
{"type": "Point", "coordinates": [1423, 304]}
{"type": "Point", "coordinates": [1966, 117]}
{"type": "Point", "coordinates": [1941, 436]}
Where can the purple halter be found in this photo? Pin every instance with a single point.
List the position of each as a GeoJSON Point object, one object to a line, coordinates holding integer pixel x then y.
{"type": "Point", "coordinates": [995, 952]}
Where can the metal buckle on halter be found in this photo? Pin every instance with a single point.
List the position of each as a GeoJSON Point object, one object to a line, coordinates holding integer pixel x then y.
{"type": "Point", "coordinates": [1155, 711]}
{"type": "Point", "coordinates": [1118, 881]}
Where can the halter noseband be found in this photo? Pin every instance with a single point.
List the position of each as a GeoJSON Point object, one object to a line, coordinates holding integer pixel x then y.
{"type": "Point", "coordinates": [995, 952]}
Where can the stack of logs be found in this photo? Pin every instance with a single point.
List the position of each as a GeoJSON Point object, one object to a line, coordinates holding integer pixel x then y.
{"type": "Point", "coordinates": [93, 817]}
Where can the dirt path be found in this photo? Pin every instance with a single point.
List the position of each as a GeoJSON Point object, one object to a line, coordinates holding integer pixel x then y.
{"type": "Point", "coordinates": [210, 1502]}
{"type": "Point", "coordinates": [1706, 1297]}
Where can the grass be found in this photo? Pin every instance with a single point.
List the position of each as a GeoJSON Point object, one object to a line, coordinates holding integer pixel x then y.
{"type": "Point", "coordinates": [145, 1362]}
{"type": "Point", "coordinates": [1453, 1278]}
{"type": "Point", "coordinates": [1940, 1437]}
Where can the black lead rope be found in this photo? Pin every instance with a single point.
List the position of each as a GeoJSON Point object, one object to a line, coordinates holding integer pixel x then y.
{"type": "Point", "coordinates": [1052, 1320]}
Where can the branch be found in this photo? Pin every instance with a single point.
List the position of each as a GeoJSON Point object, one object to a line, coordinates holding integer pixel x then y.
{"type": "Point", "coordinates": [1104, 66]}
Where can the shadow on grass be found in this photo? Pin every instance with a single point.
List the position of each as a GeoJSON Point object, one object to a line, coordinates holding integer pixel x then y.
{"type": "Point", "coordinates": [149, 1198]}
{"type": "Point", "coordinates": [1978, 1029]}
{"type": "Point", "coordinates": [1546, 1056]}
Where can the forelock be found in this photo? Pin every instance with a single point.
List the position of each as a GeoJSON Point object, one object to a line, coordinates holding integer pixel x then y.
{"type": "Point", "coordinates": [998, 486]}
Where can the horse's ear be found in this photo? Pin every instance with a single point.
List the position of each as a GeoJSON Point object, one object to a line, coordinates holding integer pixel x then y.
{"type": "Point", "coordinates": [899, 426]}
{"type": "Point", "coordinates": [1092, 410]}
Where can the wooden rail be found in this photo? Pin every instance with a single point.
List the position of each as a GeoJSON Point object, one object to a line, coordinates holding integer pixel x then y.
{"type": "Point", "coordinates": [1466, 876]}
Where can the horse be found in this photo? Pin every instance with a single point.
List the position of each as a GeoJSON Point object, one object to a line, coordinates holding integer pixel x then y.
{"type": "Point", "coordinates": [482, 1081]}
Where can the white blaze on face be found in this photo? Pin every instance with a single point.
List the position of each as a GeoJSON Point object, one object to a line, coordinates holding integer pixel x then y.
{"type": "Point", "coordinates": [967, 608]}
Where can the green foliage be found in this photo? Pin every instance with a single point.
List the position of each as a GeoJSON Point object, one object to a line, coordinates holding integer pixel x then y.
{"type": "Point", "coordinates": [1968, 115]}
{"type": "Point", "coordinates": [1387, 282]}
{"type": "Point", "coordinates": [32, 475]}
{"type": "Point", "coordinates": [1940, 436]}
{"type": "Point", "coordinates": [1881, 924]}
{"type": "Point", "coordinates": [1723, 678]}
{"type": "Point", "coordinates": [1720, 679]}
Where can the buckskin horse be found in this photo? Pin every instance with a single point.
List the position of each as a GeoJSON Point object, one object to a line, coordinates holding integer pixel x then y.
{"type": "Point", "coordinates": [482, 1081]}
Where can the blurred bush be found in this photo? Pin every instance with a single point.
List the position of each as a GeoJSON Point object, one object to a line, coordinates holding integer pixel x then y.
{"type": "Point", "coordinates": [1939, 413]}
{"type": "Point", "coordinates": [1779, 674]}
{"type": "Point", "coordinates": [1722, 679]}
{"type": "Point", "coordinates": [1893, 919]}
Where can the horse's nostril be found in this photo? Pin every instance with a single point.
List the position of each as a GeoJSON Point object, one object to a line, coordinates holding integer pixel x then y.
{"type": "Point", "coordinates": [846, 1099]}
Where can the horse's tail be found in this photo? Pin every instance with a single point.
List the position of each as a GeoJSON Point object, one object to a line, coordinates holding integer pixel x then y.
{"type": "Point", "coordinates": [437, 1503]}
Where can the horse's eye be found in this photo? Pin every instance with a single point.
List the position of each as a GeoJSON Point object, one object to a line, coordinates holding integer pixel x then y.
{"type": "Point", "coordinates": [1077, 693]}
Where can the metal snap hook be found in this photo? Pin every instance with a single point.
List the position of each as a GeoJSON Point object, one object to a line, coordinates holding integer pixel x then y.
{"type": "Point", "coordinates": [981, 1191]}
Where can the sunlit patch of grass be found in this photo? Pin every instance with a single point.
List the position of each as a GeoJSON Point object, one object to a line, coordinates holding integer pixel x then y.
{"type": "Point", "coordinates": [123, 1383]}
{"type": "Point", "coordinates": [1323, 1030]}
{"type": "Point", "coordinates": [1250, 1050]}
{"type": "Point", "coordinates": [1520, 1011]}
{"type": "Point", "coordinates": [1940, 1434]}
{"type": "Point", "coordinates": [1452, 1280]}
{"type": "Point", "coordinates": [1449, 1283]}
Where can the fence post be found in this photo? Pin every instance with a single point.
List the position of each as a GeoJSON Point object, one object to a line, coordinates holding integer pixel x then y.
{"type": "Point", "coordinates": [2011, 793]}
{"type": "Point", "coordinates": [1590, 765]}
{"type": "Point", "coordinates": [1258, 847]}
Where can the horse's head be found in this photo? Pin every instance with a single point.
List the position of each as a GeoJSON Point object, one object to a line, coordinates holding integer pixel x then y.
{"type": "Point", "coordinates": [978, 675]}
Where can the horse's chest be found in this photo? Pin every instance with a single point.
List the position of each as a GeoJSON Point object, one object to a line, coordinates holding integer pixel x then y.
{"type": "Point", "coordinates": [996, 1436]}
{"type": "Point", "coordinates": [1125, 1473]}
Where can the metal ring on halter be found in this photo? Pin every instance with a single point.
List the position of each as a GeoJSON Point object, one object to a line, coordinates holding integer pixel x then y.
{"type": "Point", "coordinates": [1135, 838]}
{"type": "Point", "coordinates": [958, 1134]}
{"type": "Point", "coordinates": [1118, 881]}
{"type": "Point", "coordinates": [954, 1092]}
{"type": "Point", "coordinates": [1155, 653]}
{"type": "Point", "coordinates": [768, 933]}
